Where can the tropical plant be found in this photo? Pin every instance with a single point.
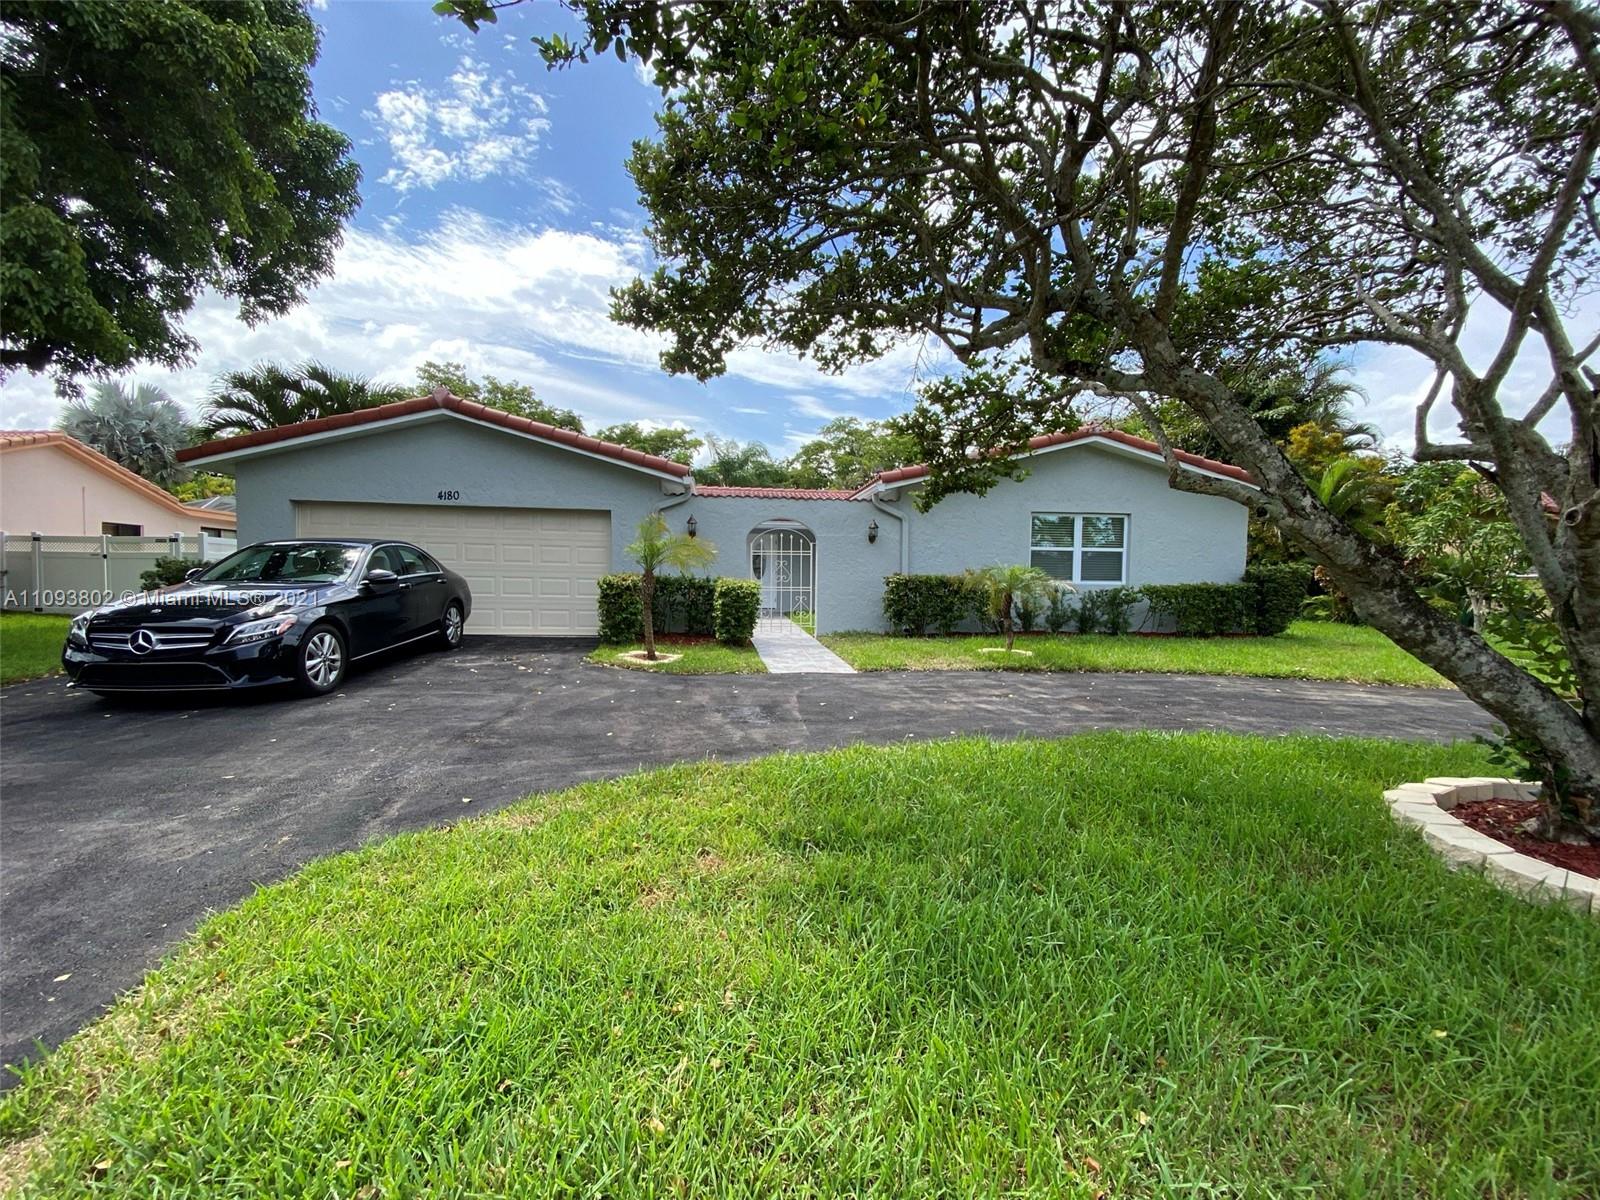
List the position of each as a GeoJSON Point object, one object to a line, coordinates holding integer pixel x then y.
{"type": "Point", "coordinates": [268, 395]}
{"type": "Point", "coordinates": [152, 152]}
{"type": "Point", "coordinates": [1139, 201]}
{"type": "Point", "coordinates": [1006, 589]}
{"type": "Point", "coordinates": [656, 548]}
{"type": "Point", "coordinates": [847, 451]}
{"type": "Point", "coordinates": [506, 395]}
{"type": "Point", "coordinates": [679, 445]}
{"type": "Point", "coordinates": [733, 464]}
{"type": "Point", "coordinates": [139, 427]}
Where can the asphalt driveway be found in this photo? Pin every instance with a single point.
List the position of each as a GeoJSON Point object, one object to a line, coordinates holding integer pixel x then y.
{"type": "Point", "coordinates": [120, 827]}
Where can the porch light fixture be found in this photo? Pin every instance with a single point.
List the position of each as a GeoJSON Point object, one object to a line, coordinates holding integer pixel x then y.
{"type": "Point", "coordinates": [694, 526]}
{"type": "Point", "coordinates": [872, 531]}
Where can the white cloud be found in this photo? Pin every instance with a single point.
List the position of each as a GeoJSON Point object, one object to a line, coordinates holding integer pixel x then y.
{"type": "Point", "coordinates": [478, 127]}
{"type": "Point", "coordinates": [514, 301]}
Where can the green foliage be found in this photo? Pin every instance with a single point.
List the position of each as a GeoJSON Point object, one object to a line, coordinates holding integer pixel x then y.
{"type": "Point", "coordinates": [165, 572]}
{"type": "Point", "coordinates": [848, 451]}
{"type": "Point", "coordinates": [1058, 613]}
{"type": "Point", "coordinates": [1107, 610]}
{"type": "Point", "coordinates": [30, 645]}
{"type": "Point", "coordinates": [267, 395]}
{"type": "Point", "coordinates": [733, 464]}
{"type": "Point", "coordinates": [1203, 609]}
{"type": "Point", "coordinates": [149, 152]}
{"type": "Point", "coordinates": [679, 445]}
{"type": "Point", "coordinates": [140, 428]}
{"type": "Point", "coordinates": [620, 608]}
{"type": "Point", "coordinates": [202, 485]}
{"type": "Point", "coordinates": [656, 548]}
{"type": "Point", "coordinates": [682, 604]}
{"type": "Point", "coordinates": [1280, 592]}
{"type": "Point", "coordinates": [735, 610]}
{"type": "Point", "coordinates": [1005, 588]}
{"type": "Point", "coordinates": [914, 604]}
{"type": "Point", "coordinates": [515, 398]}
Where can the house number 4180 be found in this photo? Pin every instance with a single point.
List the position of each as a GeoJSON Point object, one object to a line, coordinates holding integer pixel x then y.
{"type": "Point", "coordinates": [450, 495]}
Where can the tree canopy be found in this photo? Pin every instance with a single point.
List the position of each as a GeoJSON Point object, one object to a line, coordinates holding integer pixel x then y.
{"type": "Point", "coordinates": [1158, 202]}
{"type": "Point", "coordinates": [267, 395]}
{"type": "Point", "coordinates": [507, 396]}
{"type": "Point", "coordinates": [679, 445]}
{"type": "Point", "coordinates": [138, 427]}
{"type": "Point", "coordinates": [149, 152]}
{"type": "Point", "coordinates": [848, 451]}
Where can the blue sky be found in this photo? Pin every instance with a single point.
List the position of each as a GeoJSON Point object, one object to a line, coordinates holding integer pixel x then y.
{"type": "Point", "coordinates": [497, 214]}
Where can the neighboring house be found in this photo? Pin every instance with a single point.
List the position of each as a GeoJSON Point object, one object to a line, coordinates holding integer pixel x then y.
{"type": "Point", "coordinates": [53, 484]}
{"type": "Point", "coordinates": [533, 515]}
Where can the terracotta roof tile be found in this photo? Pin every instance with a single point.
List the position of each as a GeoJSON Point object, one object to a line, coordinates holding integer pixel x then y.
{"type": "Point", "coordinates": [774, 493]}
{"type": "Point", "coordinates": [440, 399]}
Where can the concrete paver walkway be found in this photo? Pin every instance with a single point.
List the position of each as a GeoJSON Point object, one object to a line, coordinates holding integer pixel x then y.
{"type": "Point", "coordinates": [789, 650]}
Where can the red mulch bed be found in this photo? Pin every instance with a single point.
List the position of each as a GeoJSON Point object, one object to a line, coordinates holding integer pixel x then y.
{"type": "Point", "coordinates": [1503, 821]}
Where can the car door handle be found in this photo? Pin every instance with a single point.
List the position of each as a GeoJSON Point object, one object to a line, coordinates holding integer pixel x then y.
{"type": "Point", "coordinates": [405, 587]}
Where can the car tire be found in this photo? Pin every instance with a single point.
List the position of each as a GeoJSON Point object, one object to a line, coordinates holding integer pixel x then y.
{"type": "Point", "coordinates": [452, 624]}
{"type": "Point", "coordinates": [320, 660]}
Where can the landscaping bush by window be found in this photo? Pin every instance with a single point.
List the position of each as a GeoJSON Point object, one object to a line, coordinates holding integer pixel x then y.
{"type": "Point", "coordinates": [734, 611]}
{"type": "Point", "coordinates": [1204, 609]}
{"type": "Point", "coordinates": [1280, 590]}
{"type": "Point", "coordinates": [1058, 613]}
{"type": "Point", "coordinates": [914, 604]}
{"type": "Point", "coordinates": [165, 572]}
{"type": "Point", "coordinates": [1108, 610]}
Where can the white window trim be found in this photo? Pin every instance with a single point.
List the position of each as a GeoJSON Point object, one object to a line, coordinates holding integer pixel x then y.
{"type": "Point", "coordinates": [1077, 579]}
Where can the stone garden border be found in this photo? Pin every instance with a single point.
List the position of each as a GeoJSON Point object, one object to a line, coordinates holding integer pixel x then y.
{"type": "Point", "coordinates": [1427, 806]}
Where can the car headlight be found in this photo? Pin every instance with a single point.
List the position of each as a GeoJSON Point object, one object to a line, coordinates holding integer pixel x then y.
{"type": "Point", "coordinates": [78, 631]}
{"type": "Point", "coordinates": [257, 631]}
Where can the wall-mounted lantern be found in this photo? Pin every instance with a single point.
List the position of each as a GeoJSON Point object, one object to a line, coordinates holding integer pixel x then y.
{"type": "Point", "coordinates": [872, 531]}
{"type": "Point", "coordinates": [694, 527]}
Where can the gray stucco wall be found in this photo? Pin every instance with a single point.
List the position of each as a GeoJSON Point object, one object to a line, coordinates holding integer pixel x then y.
{"type": "Point", "coordinates": [1173, 537]}
{"type": "Point", "coordinates": [411, 464]}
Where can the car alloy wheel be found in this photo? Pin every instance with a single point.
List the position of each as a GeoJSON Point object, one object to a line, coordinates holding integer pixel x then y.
{"type": "Point", "coordinates": [323, 659]}
{"type": "Point", "coordinates": [452, 625]}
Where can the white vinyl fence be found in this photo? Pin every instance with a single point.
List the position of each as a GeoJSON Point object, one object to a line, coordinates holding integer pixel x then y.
{"type": "Point", "coordinates": [63, 574]}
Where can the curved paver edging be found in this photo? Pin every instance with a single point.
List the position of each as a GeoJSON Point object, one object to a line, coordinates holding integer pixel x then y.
{"type": "Point", "coordinates": [1427, 806]}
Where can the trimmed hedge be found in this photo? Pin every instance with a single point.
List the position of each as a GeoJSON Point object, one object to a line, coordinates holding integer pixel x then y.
{"type": "Point", "coordinates": [1204, 609]}
{"type": "Point", "coordinates": [915, 603]}
{"type": "Point", "coordinates": [683, 604]}
{"type": "Point", "coordinates": [165, 572]}
{"type": "Point", "coordinates": [1280, 590]}
{"type": "Point", "coordinates": [735, 607]}
{"type": "Point", "coordinates": [1107, 610]}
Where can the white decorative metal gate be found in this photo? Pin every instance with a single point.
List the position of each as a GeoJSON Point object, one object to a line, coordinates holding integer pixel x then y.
{"type": "Point", "coordinates": [783, 561]}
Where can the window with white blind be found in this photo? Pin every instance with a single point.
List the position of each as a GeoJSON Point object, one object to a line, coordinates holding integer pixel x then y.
{"type": "Point", "coordinates": [1081, 547]}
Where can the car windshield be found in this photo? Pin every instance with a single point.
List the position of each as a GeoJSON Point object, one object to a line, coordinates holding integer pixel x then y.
{"type": "Point", "coordinates": [301, 562]}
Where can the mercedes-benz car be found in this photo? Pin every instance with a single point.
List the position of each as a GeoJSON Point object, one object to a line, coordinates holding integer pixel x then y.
{"type": "Point", "coordinates": [275, 613]}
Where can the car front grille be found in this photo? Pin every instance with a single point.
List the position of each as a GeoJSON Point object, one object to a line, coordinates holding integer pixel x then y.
{"type": "Point", "coordinates": [167, 637]}
{"type": "Point", "coordinates": [150, 676]}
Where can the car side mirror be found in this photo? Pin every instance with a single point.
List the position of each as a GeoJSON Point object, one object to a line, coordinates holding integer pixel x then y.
{"type": "Point", "coordinates": [192, 574]}
{"type": "Point", "coordinates": [378, 578]}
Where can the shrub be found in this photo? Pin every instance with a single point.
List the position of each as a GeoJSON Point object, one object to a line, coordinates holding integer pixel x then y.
{"type": "Point", "coordinates": [914, 603]}
{"type": "Point", "coordinates": [1059, 611]}
{"type": "Point", "coordinates": [1029, 611]}
{"type": "Point", "coordinates": [1204, 609]}
{"type": "Point", "coordinates": [684, 603]}
{"type": "Point", "coordinates": [1280, 590]}
{"type": "Point", "coordinates": [736, 605]}
{"type": "Point", "coordinates": [621, 609]}
{"type": "Point", "coordinates": [1115, 607]}
{"type": "Point", "coordinates": [167, 571]}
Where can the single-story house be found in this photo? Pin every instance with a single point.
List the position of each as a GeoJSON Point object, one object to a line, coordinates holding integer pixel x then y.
{"type": "Point", "coordinates": [53, 484]}
{"type": "Point", "coordinates": [533, 515]}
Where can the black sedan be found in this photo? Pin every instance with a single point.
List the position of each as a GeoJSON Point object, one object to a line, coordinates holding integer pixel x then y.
{"type": "Point", "coordinates": [273, 613]}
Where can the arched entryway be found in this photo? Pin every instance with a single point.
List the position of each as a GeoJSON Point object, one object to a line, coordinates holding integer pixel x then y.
{"type": "Point", "coordinates": [783, 560]}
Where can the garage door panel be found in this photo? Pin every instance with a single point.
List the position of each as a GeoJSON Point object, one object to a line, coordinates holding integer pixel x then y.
{"type": "Point", "coordinates": [531, 571]}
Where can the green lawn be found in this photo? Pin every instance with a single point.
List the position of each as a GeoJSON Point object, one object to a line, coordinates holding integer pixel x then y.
{"type": "Point", "coordinates": [1132, 965]}
{"type": "Point", "coordinates": [1309, 650]}
{"type": "Point", "coordinates": [30, 645]}
{"type": "Point", "coordinates": [695, 658]}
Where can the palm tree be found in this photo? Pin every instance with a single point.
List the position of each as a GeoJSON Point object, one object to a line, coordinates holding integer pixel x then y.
{"type": "Point", "coordinates": [268, 395]}
{"type": "Point", "coordinates": [141, 428]}
{"type": "Point", "coordinates": [655, 548]}
{"type": "Point", "coordinates": [1005, 588]}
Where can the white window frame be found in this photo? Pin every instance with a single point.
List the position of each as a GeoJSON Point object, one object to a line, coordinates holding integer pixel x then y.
{"type": "Point", "coordinates": [1078, 546]}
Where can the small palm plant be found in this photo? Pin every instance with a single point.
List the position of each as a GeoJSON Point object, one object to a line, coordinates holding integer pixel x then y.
{"type": "Point", "coordinates": [654, 548]}
{"type": "Point", "coordinates": [1007, 588]}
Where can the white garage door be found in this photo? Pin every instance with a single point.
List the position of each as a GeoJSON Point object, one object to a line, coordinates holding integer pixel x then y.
{"type": "Point", "coordinates": [531, 570]}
